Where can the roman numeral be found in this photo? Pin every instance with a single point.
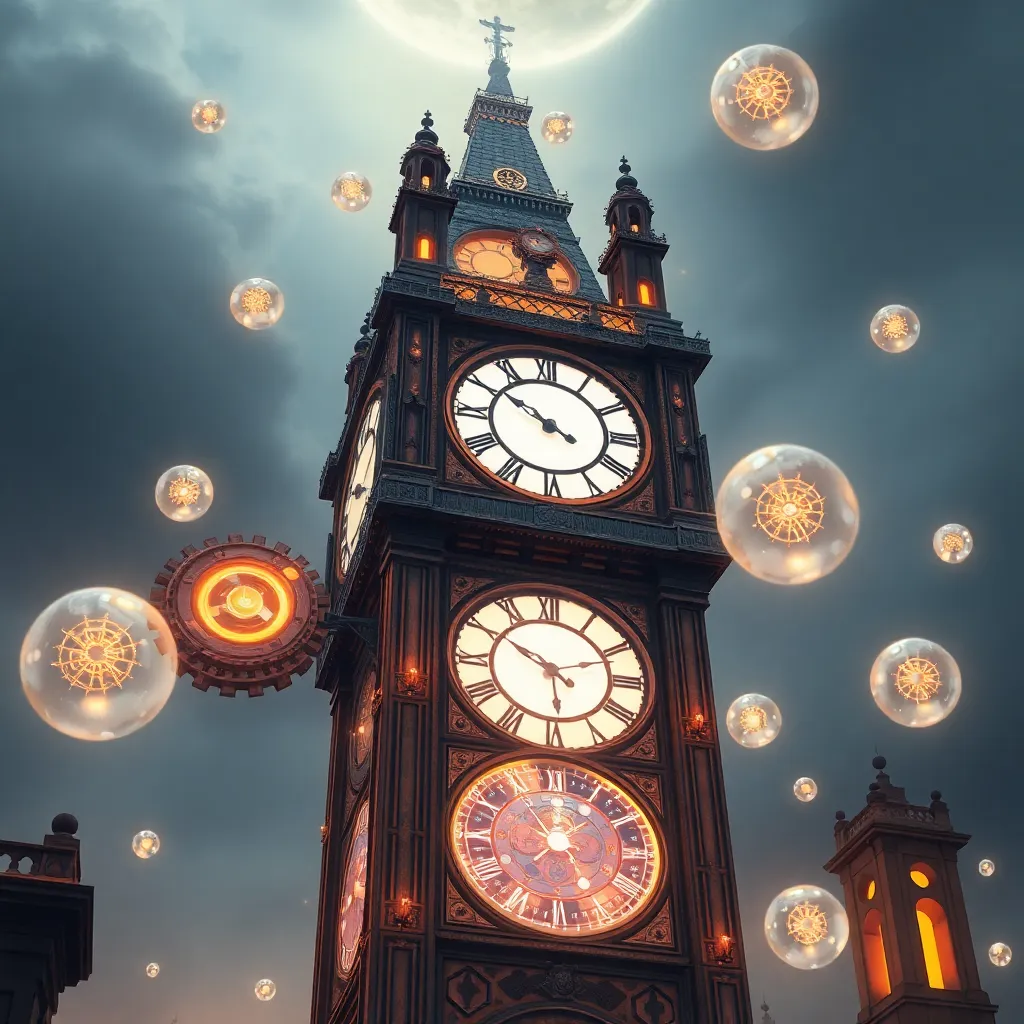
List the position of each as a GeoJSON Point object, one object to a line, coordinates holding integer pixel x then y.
{"type": "Point", "coordinates": [601, 912]}
{"type": "Point", "coordinates": [551, 489]}
{"type": "Point", "coordinates": [558, 914]}
{"type": "Point", "coordinates": [477, 624]}
{"type": "Point", "coordinates": [487, 869]}
{"type": "Point", "coordinates": [609, 409]}
{"type": "Point", "coordinates": [482, 834]}
{"type": "Point", "coordinates": [462, 658]}
{"type": "Point", "coordinates": [594, 489]}
{"type": "Point", "coordinates": [511, 720]}
{"type": "Point", "coordinates": [627, 886]}
{"type": "Point", "coordinates": [625, 819]}
{"type": "Point", "coordinates": [508, 369]}
{"type": "Point", "coordinates": [556, 780]}
{"type": "Point", "coordinates": [629, 682]}
{"type": "Point", "coordinates": [485, 689]}
{"type": "Point", "coordinates": [586, 381]}
{"type": "Point", "coordinates": [474, 379]}
{"type": "Point", "coordinates": [598, 737]}
{"type": "Point", "coordinates": [624, 715]}
{"type": "Point", "coordinates": [617, 649]}
{"type": "Point", "coordinates": [614, 466]}
{"type": "Point", "coordinates": [626, 440]}
{"type": "Point", "coordinates": [636, 853]}
{"type": "Point", "coordinates": [517, 784]}
{"type": "Point", "coordinates": [549, 608]}
{"type": "Point", "coordinates": [480, 443]}
{"type": "Point", "coordinates": [511, 470]}
{"type": "Point", "coordinates": [547, 369]}
{"type": "Point", "coordinates": [553, 736]}
{"type": "Point", "coordinates": [509, 607]}
{"type": "Point", "coordinates": [472, 411]}
{"type": "Point", "coordinates": [518, 900]}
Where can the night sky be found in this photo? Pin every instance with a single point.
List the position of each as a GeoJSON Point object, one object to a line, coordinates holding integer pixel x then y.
{"type": "Point", "coordinates": [123, 230]}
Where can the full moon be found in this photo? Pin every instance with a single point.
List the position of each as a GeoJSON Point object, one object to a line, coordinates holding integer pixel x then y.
{"type": "Point", "coordinates": [547, 31]}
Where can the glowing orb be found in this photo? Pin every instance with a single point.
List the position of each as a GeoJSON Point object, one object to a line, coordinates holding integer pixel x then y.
{"type": "Point", "coordinates": [753, 720]}
{"type": "Point", "coordinates": [895, 328]}
{"type": "Point", "coordinates": [556, 127]}
{"type": "Point", "coordinates": [787, 514]}
{"type": "Point", "coordinates": [257, 303]}
{"type": "Point", "coordinates": [152, 970]}
{"type": "Point", "coordinates": [98, 664]}
{"type": "Point", "coordinates": [805, 790]}
{"type": "Point", "coordinates": [265, 990]}
{"type": "Point", "coordinates": [986, 868]}
{"type": "Point", "coordinates": [1000, 954]}
{"type": "Point", "coordinates": [351, 192]}
{"type": "Point", "coordinates": [184, 493]}
{"type": "Point", "coordinates": [243, 601]}
{"type": "Point", "coordinates": [915, 682]}
{"type": "Point", "coordinates": [145, 844]}
{"type": "Point", "coordinates": [806, 927]}
{"type": "Point", "coordinates": [764, 97]}
{"type": "Point", "coordinates": [208, 116]}
{"type": "Point", "coordinates": [953, 543]}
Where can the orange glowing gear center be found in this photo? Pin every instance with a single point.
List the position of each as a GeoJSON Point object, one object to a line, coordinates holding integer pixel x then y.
{"type": "Point", "coordinates": [789, 510]}
{"type": "Point", "coordinates": [807, 924]}
{"type": "Point", "coordinates": [753, 719]}
{"type": "Point", "coordinates": [183, 491]}
{"type": "Point", "coordinates": [208, 115]}
{"type": "Point", "coordinates": [96, 655]}
{"type": "Point", "coordinates": [895, 327]}
{"type": "Point", "coordinates": [918, 679]}
{"type": "Point", "coordinates": [952, 542]}
{"type": "Point", "coordinates": [763, 93]}
{"type": "Point", "coordinates": [243, 601]}
{"type": "Point", "coordinates": [256, 300]}
{"type": "Point", "coordinates": [351, 189]}
{"type": "Point", "coordinates": [556, 126]}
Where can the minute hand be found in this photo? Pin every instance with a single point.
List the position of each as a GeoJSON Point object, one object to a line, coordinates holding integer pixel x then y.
{"type": "Point", "coordinates": [550, 426]}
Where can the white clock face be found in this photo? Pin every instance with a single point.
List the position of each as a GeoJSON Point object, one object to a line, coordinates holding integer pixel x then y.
{"type": "Point", "coordinates": [549, 667]}
{"type": "Point", "coordinates": [548, 427]}
{"type": "Point", "coordinates": [357, 487]}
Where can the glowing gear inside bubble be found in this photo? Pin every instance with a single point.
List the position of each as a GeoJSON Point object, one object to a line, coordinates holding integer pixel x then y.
{"type": "Point", "coordinates": [208, 114]}
{"type": "Point", "coordinates": [763, 93]}
{"type": "Point", "coordinates": [96, 655]}
{"type": "Point", "coordinates": [256, 300]}
{"type": "Point", "coordinates": [789, 510]}
{"type": "Point", "coordinates": [807, 924]}
{"type": "Point", "coordinates": [243, 601]}
{"type": "Point", "coordinates": [918, 679]}
{"type": "Point", "coordinates": [895, 327]}
{"type": "Point", "coordinates": [351, 188]}
{"type": "Point", "coordinates": [753, 719]}
{"type": "Point", "coordinates": [183, 491]}
{"type": "Point", "coordinates": [953, 543]}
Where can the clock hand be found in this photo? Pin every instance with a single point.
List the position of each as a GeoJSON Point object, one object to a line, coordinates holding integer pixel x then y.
{"type": "Point", "coordinates": [529, 807]}
{"type": "Point", "coordinates": [556, 703]}
{"type": "Point", "coordinates": [549, 425]}
{"type": "Point", "coordinates": [549, 669]}
{"type": "Point", "coordinates": [583, 664]}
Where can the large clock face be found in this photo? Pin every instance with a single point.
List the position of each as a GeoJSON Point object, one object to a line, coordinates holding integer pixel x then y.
{"type": "Point", "coordinates": [491, 255]}
{"type": "Point", "coordinates": [362, 729]}
{"type": "Point", "coordinates": [353, 894]}
{"type": "Point", "coordinates": [549, 666]}
{"type": "Point", "coordinates": [549, 426]}
{"type": "Point", "coordinates": [555, 847]}
{"type": "Point", "coordinates": [358, 485]}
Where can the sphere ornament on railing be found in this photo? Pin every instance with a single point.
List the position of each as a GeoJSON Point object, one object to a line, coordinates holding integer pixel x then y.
{"type": "Point", "coordinates": [257, 303]}
{"type": "Point", "coordinates": [98, 664]}
{"type": "Point", "coordinates": [145, 844]}
{"type": "Point", "coordinates": [915, 682]}
{"type": "Point", "coordinates": [787, 514]}
{"type": "Point", "coordinates": [351, 192]}
{"type": "Point", "coordinates": [208, 116]}
{"type": "Point", "coordinates": [805, 790]}
{"type": "Point", "coordinates": [184, 493]}
{"type": "Point", "coordinates": [895, 328]}
{"type": "Point", "coordinates": [753, 720]}
{"type": "Point", "coordinates": [1000, 954]}
{"type": "Point", "coordinates": [807, 927]}
{"type": "Point", "coordinates": [152, 970]}
{"type": "Point", "coordinates": [764, 96]}
{"type": "Point", "coordinates": [952, 543]}
{"type": "Point", "coordinates": [245, 615]}
{"type": "Point", "coordinates": [986, 868]}
{"type": "Point", "coordinates": [556, 127]}
{"type": "Point", "coordinates": [265, 990]}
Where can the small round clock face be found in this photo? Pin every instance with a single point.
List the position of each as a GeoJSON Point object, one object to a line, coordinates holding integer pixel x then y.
{"type": "Point", "coordinates": [550, 667]}
{"type": "Point", "coordinates": [353, 894]}
{"type": "Point", "coordinates": [549, 427]}
{"type": "Point", "coordinates": [555, 847]}
{"type": "Point", "coordinates": [358, 485]}
{"type": "Point", "coordinates": [490, 255]}
{"type": "Point", "coordinates": [538, 242]}
{"type": "Point", "coordinates": [362, 725]}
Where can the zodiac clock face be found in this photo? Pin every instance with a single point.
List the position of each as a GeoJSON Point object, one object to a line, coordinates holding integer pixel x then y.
{"type": "Point", "coordinates": [555, 847]}
{"type": "Point", "coordinates": [550, 666]}
{"type": "Point", "coordinates": [362, 730]}
{"type": "Point", "coordinates": [353, 894]}
{"type": "Point", "coordinates": [550, 427]}
{"type": "Point", "coordinates": [358, 485]}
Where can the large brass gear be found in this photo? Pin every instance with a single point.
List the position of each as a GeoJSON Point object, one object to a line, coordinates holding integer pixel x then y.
{"type": "Point", "coordinates": [244, 615]}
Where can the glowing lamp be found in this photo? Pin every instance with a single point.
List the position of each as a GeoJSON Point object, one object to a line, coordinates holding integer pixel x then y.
{"type": "Point", "coordinates": [351, 192]}
{"type": "Point", "coordinates": [265, 990]}
{"type": "Point", "coordinates": [208, 116]}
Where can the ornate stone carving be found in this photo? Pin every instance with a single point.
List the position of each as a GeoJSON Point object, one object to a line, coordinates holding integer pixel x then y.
{"type": "Point", "coordinates": [642, 502]}
{"type": "Point", "coordinates": [463, 586]}
{"type": "Point", "coordinates": [456, 472]}
{"type": "Point", "coordinates": [561, 982]}
{"type": "Point", "coordinates": [658, 932]}
{"type": "Point", "coordinates": [636, 614]}
{"type": "Point", "coordinates": [653, 1006]}
{"type": "Point", "coordinates": [468, 991]}
{"type": "Point", "coordinates": [459, 721]}
{"type": "Point", "coordinates": [649, 785]}
{"type": "Point", "coordinates": [631, 380]}
{"type": "Point", "coordinates": [458, 911]}
{"type": "Point", "coordinates": [460, 760]}
{"type": "Point", "coordinates": [646, 748]}
{"type": "Point", "coordinates": [459, 347]}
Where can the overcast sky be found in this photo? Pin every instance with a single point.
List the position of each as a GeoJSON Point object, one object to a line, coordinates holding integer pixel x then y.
{"type": "Point", "coordinates": [122, 232]}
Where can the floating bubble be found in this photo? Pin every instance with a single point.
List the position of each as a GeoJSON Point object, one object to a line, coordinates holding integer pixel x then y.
{"type": "Point", "coordinates": [787, 514]}
{"type": "Point", "coordinates": [257, 303]}
{"type": "Point", "coordinates": [152, 970]}
{"type": "Point", "coordinates": [1000, 954]}
{"type": "Point", "coordinates": [351, 192]}
{"type": "Point", "coordinates": [753, 720]}
{"type": "Point", "coordinates": [98, 664]}
{"type": "Point", "coordinates": [986, 868]}
{"type": "Point", "coordinates": [953, 543]}
{"type": "Point", "coordinates": [764, 97]}
{"type": "Point", "coordinates": [556, 127]}
{"type": "Point", "coordinates": [805, 790]}
{"type": "Point", "coordinates": [895, 328]}
{"type": "Point", "coordinates": [915, 682]}
{"type": "Point", "coordinates": [145, 844]}
{"type": "Point", "coordinates": [208, 116]}
{"type": "Point", "coordinates": [265, 990]}
{"type": "Point", "coordinates": [184, 493]}
{"type": "Point", "coordinates": [806, 927]}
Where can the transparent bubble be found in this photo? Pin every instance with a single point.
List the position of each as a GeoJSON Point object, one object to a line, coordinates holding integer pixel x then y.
{"type": "Point", "coordinates": [265, 990]}
{"type": "Point", "coordinates": [787, 514]}
{"type": "Point", "coordinates": [895, 328]}
{"type": "Point", "coordinates": [145, 844]}
{"type": "Point", "coordinates": [805, 790]}
{"type": "Point", "coordinates": [953, 543]}
{"type": "Point", "coordinates": [807, 927]}
{"type": "Point", "coordinates": [915, 682]}
{"type": "Point", "coordinates": [1000, 954]}
{"type": "Point", "coordinates": [351, 192]}
{"type": "Point", "coordinates": [152, 970]}
{"type": "Point", "coordinates": [986, 868]}
{"type": "Point", "coordinates": [98, 664]}
{"type": "Point", "coordinates": [764, 97]}
{"type": "Point", "coordinates": [556, 127]}
{"type": "Point", "coordinates": [184, 493]}
{"type": "Point", "coordinates": [208, 116]}
{"type": "Point", "coordinates": [257, 303]}
{"type": "Point", "coordinates": [753, 720]}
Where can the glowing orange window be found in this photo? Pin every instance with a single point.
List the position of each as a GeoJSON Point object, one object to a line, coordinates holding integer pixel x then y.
{"type": "Point", "coordinates": [424, 247]}
{"type": "Point", "coordinates": [645, 292]}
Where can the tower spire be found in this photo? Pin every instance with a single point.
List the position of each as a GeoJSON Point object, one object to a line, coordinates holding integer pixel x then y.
{"type": "Point", "coordinates": [494, 41]}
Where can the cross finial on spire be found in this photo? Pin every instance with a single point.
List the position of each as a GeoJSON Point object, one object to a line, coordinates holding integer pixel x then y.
{"type": "Point", "coordinates": [495, 41]}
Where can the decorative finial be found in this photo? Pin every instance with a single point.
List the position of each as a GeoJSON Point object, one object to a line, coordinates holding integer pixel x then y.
{"type": "Point", "coordinates": [878, 762]}
{"type": "Point", "coordinates": [64, 825]}
{"type": "Point", "coordinates": [624, 167]}
{"type": "Point", "coordinates": [364, 336]}
{"type": "Point", "coordinates": [840, 815]}
{"type": "Point", "coordinates": [496, 43]}
{"type": "Point", "coordinates": [626, 180]}
{"type": "Point", "coordinates": [936, 796]}
{"type": "Point", "coordinates": [426, 132]}
{"type": "Point", "coordinates": [428, 121]}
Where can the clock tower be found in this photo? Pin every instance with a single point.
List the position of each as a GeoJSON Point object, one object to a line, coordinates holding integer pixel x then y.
{"type": "Point", "coordinates": [526, 818]}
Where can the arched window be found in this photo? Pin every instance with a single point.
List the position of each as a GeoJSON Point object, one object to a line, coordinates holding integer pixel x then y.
{"type": "Point", "coordinates": [645, 293]}
{"type": "Point", "coordinates": [424, 247]}
{"type": "Point", "coordinates": [937, 944]}
{"type": "Point", "coordinates": [634, 220]}
{"type": "Point", "coordinates": [426, 173]}
{"type": "Point", "coordinates": [874, 957]}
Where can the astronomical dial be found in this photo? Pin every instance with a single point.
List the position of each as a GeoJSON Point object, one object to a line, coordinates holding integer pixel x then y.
{"type": "Point", "coordinates": [491, 255]}
{"type": "Point", "coordinates": [353, 894]}
{"type": "Point", "coordinates": [550, 667]}
{"type": "Point", "coordinates": [362, 729]}
{"type": "Point", "coordinates": [555, 847]}
{"type": "Point", "coordinates": [358, 484]}
{"type": "Point", "coordinates": [538, 242]}
{"type": "Point", "coordinates": [542, 424]}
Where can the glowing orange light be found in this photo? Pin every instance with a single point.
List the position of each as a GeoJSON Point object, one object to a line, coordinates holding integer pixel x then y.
{"type": "Point", "coordinates": [789, 510]}
{"type": "Point", "coordinates": [256, 300]}
{"type": "Point", "coordinates": [645, 290]}
{"type": "Point", "coordinates": [952, 542]}
{"type": "Point", "coordinates": [246, 591]}
{"type": "Point", "coordinates": [96, 655]}
{"type": "Point", "coordinates": [424, 248]}
{"type": "Point", "coordinates": [920, 879]}
{"type": "Point", "coordinates": [425, 181]}
{"type": "Point", "coordinates": [871, 890]}
{"type": "Point", "coordinates": [807, 924]}
{"type": "Point", "coordinates": [918, 680]}
{"type": "Point", "coordinates": [753, 718]}
{"type": "Point", "coordinates": [290, 573]}
{"type": "Point", "coordinates": [763, 93]}
{"type": "Point", "coordinates": [183, 491]}
{"type": "Point", "coordinates": [895, 327]}
{"type": "Point", "coordinates": [351, 188]}
{"type": "Point", "coordinates": [635, 228]}
{"type": "Point", "coordinates": [208, 114]}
